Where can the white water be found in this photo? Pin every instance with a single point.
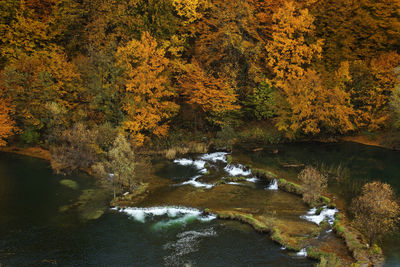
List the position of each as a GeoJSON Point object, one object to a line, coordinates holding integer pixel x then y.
{"type": "Point", "coordinates": [236, 170]}
{"type": "Point", "coordinates": [234, 183]}
{"type": "Point", "coordinates": [187, 242]}
{"type": "Point", "coordinates": [302, 253]}
{"type": "Point", "coordinates": [273, 185]}
{"type": "Point", "coordinates": [326, 214]}
{"type": "Point", "coordinates": [196, 183]}
{"type": "Point", "coordinates": [198, 164]}
{"type": "Point", "coordinates": [252, 180]}
{"type": "Point", "coordinates": [180, 214]}
{"type": "Point", "coordinates": [214, 157]}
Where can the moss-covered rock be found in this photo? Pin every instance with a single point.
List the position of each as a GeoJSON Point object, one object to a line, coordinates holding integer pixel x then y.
{"type": "Point", "coordinates": [70, 184]}
{"type": "Point", "coordinates": [231, 179]}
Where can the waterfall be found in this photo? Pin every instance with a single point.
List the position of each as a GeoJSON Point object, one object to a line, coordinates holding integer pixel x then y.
{"type": "Point", "coordinates": [273, 185]}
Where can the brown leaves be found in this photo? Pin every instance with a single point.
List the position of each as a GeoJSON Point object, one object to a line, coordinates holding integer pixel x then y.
{"type": "Point", "coordinates": [375, 210]}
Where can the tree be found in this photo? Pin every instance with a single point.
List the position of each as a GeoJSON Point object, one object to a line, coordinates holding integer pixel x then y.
{"type": "Point", "coordinates": [228, 45]}
{"type": "Point", "coordinates": [7, 125]}
{"type": "Point", "coordinates": [292, 48]}
{"type": "Point", "coordinates": [307, 106]}
{"type": "Point", "coordinates": [211, 95]}
{"type": "Point", "coordinates": [375, 210]}
{"type": "Point", "coordinates": [40, 79]}
{"type": "Point", "coordinates": [314, 184]}
{"type": "Point", "coordinates": [119, 165]}
{"type": "Point", "coordinates": [147, 98]}
{"type": "Point", "coordinates": [395, 105]}
{"type": "Point", "coordinates": [356, 30]}
{"type": "Point", "coordinates": [75, 149]}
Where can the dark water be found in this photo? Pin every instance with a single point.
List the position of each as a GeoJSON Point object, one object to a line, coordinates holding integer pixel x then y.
{"type": "Point", "coordinates": [45, 223]}
{"type": "Point", "coordinates": [358, 164]}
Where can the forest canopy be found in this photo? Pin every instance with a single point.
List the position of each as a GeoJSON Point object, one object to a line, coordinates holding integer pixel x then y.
{"type": "Point", "coordinates": [149, 67]}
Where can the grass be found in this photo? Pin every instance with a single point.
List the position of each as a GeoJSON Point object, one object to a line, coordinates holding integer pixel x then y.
{"type": "Point", "coordinates": [353, 239]}
{"type": "Point", "coordinates": [325, 259]}
{"type": "Point", "coordinates": [234, 179]}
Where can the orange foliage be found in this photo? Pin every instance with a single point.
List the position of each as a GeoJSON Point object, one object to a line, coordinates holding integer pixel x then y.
{"type": "Point", "coordinates": [289, 53]}
{"type": "Point", "coordinates": [7, 125]}
{"type": "Point", "coordinates": [146, 94]}
{"type": "Point", "coordinates": [308, 106]}
{"type": "Point", "coordinates": [38, 80]}
{"type": "Point", "coordinates": [372, 86]}
{"type": "Point", "coordinates": [208, 93]}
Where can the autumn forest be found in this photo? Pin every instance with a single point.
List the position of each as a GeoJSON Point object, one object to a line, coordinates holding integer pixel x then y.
{"type": "Point", "coordinates": [309, 67]}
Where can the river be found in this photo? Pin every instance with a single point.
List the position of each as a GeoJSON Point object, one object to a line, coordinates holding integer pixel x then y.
{"type": "Point", "coordinates": [45, 220]}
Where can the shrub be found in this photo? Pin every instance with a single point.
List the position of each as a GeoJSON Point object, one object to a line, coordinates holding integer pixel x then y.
{"type": "Point", "coordinates": [170, 153]}
{"type": "Point", "coordinates": [30, 136]}
{"type": "Point", "coordinates": [375, 210]}
{"type": "Point", "coordinates": [314, 184]}
{"type": "Point", "coordinates": [225, 138]}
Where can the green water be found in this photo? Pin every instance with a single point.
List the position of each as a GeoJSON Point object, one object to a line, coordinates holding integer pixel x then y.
{"type": "Point", "coordinates": [47, 222]}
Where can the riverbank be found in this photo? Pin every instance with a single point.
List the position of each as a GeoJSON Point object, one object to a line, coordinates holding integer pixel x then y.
{"type": "Point", "coordinates": [35, 152]}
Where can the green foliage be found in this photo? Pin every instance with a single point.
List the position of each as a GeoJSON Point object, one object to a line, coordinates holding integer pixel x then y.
{"type": "Point", "coordinates": [225, 138]}
{"type": "Point", "coordinates": [118, 166]}
{"type": "Point", "coordinates": [260, 134]}
{"type": "Point", "coordinates": [260, 104]}
{"type": "Point", "coordinates": [30, 136]}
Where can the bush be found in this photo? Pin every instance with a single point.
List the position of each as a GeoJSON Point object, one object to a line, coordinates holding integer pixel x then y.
{"type": "Point", "coordinates": [314, 184]}
{"type": "Point", "coordinates": [225, 138]}
{"type": "Point", "coordinates": [375, 210]}
{"type": "Point", "coordinates": [30, 136]}
{"type": "Point", "coordinates": [261, 134]}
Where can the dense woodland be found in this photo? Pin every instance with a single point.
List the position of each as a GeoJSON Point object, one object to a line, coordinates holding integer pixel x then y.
{"type": "Point", "coordinates": [158, 71]}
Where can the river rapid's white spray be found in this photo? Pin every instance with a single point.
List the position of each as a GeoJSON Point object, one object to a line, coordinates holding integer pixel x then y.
{"type": "Point", "coordinates": [273, 185]}
{"type": "Point", "coordinates": [236, 170]}
{"type": "Point", "coordinates": [325, 215]}
{"type": "Point", "coordinates": [179, 214]}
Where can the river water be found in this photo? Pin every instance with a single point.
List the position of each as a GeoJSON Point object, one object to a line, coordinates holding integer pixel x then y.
{"type": "Point", "coordinates": [46, 221]}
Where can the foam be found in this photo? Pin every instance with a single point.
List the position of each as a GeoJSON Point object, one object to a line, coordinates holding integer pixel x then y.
{"type": "Point", "coordinates": [236, 170]}
{"type": "Point", "coordinates": [252, 180]}
{"type": "Point", "coordinates": [273, 185]}
{"type": "Point", "coordinates": [198, 164]}
{"type": "Point", "coordinates": [234, 183]}
{"type": "Point", "coordinates": [197, 184]}
{"type": "Point", "coordinates": [214, 157]}
{"type": "Point", "coordinates": [326, 214]}
{"type": "Point", "coordinates": [182, 214]}
{"type": "Point", "coordinates": [302, 253]}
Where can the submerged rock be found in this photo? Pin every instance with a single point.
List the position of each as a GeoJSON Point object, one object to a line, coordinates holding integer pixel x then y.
{"type": "Point", "coordinates": [70, 184]}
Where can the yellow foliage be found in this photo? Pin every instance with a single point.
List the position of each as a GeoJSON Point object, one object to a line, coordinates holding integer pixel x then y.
{"type": "Point", "coordinates": [205, 91]}
{"type": "Point", "coordinates": [289, 52]}
{"type": "Point", "coordinates": [308, 106]}
{"type": "Point", "coordinates": [189, 9]}
{"type": "Point", "coordinates": [146, 97]}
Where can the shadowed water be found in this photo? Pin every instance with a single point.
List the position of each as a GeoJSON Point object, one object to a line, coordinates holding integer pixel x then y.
{"type": "Point", "coordinates": [46, 222]}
